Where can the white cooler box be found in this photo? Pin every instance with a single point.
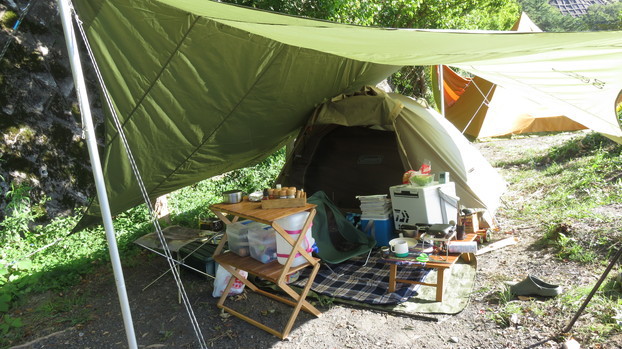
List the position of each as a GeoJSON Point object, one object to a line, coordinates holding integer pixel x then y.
{"type": "Point", "coordinates": [431, 204]}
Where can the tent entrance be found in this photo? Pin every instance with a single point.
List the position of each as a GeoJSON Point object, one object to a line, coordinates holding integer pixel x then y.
{"type": "Point", "coordinates": [345, 162]}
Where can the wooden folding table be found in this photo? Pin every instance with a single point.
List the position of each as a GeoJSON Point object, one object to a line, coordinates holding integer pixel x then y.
{"type": "Point", "coordinates": [273, 271]}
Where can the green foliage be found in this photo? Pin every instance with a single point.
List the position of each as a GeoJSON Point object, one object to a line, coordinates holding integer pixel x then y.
{"type": "Point", "coordinates": [325, 301]}
{"type": "Point", "coordinates": [9, 19]}
{"type": "Point", "coordinates": [55, 308]}
{"type": "Point", "coordinates": [9, 323]}
{"type": "Point", "coordinates": [570, 249]}
{"type": "Point", "coordinates": [506, 312]}
{"type": "Point", "coordinates": [449, 14]}
{"type": "Point", "coordinates": [549, 18]}
{"type": "Point", "coordinates": [604, 17]}
{"type": "Point", "coordinates": [19, 214]}
{"type": "Point", "coordinates": [601, 312]}
{"type": "Point", "coordinates": [64, 258]}
{"type": "Point", "coordinates": [191, 203]}
{"type": "Point", "coordinates": [505, 296]}
{"type": "Point", "coordinates": [412, 81]}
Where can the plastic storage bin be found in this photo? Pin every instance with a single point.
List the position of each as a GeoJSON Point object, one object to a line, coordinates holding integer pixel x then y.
{"type": "Point", "coordinates": [200, 256]}
{"type": "Point", "coordinates": [262, 243]}
{"type": "Point", "coordinates": [381, 229]}
{"type": "Point", "coordinates": [237, 237]}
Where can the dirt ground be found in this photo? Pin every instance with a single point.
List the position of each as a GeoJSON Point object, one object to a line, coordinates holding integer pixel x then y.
{"type": "Point", "coordinates": [161, 322]}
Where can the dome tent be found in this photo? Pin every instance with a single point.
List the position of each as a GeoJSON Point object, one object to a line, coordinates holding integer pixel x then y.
{"type": "Point", "coordinates": [480, 108]}
{"type": "Point", "coordinates": [361, 143]}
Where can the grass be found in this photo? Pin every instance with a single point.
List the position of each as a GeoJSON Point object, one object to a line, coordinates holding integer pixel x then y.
{"type": "Point", "coordinates": [565, 185]}
{"type": "Point", "coordinates": [562, 190]}
{"type": "Point", "coordinates": [600, 319]}
{"type": "Point", "coordinates": [559, 190]}
{"type": "Point", "coordinates": [65, 259]}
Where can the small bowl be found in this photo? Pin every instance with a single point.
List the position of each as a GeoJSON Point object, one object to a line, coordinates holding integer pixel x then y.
{"type": "Point", "coordinates": [232, 196]}
{"type": "Point", "coordinates": [421, 180]}
{"type": "Point", "coordinates": [411, 242]}
{"type": "Point", "coordinates": [407, 233]}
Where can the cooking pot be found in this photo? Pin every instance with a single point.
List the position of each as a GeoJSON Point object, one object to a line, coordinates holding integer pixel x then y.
{"type": "Point", "coordinates": [407, 233]}
{"type": "Point", "coordinates": [232, 196]}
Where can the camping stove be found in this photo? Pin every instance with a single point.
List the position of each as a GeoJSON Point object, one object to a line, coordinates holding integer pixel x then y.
{"type": "Point", "coordinates": [439, 235]}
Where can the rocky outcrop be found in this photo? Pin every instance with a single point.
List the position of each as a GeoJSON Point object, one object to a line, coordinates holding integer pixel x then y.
{"type": "Point", "coordinates": [41, 143]}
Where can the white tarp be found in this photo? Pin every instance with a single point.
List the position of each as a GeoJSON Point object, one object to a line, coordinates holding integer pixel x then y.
{"type": "Point", "coordinates": [428, 136]}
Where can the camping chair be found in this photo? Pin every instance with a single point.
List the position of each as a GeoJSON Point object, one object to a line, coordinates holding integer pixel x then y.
{"type": "Point", "coordinates": [336, 238]}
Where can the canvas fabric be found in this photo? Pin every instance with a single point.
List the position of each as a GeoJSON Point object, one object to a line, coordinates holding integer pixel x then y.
{"type": "Point", "coordinates": [203, 87]}
{"type": "Point", "coordinates": [363, 282]}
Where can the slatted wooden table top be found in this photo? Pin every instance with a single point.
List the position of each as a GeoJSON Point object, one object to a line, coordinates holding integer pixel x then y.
{"type": "Point", "coordinates": [252, 210]}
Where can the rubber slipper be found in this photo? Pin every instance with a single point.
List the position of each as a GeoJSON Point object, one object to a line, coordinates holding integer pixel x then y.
{"type": "Point", "coordinates": [533, 286]}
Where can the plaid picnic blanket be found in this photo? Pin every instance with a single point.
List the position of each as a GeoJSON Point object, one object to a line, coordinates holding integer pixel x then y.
{"type": "Point", "coordinates": [365, 283]}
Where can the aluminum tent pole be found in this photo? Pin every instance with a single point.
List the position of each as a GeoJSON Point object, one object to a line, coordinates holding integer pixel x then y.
{"type": "Point", "coordinates": [89, 129]}
{"type": "Point", "coordinates": [441, 87]}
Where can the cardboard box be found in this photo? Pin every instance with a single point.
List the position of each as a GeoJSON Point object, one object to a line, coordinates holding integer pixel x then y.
{"type": "Point", "coordinates": [470, 223]}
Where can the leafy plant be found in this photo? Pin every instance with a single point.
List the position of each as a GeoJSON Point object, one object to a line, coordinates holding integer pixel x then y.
{"type": "Point", "coordinates": [19, 215]}
{"type": "Point", "coordinates": [9, 19]}
{"type": "Point", "coordinates": [504, 296]}
{"type": "Point", "coordinates": [9, 323]}
{"type": "Point", "coordinates": [325, 301]}
{"type": "Point", "coordinates": [506, 313]}
{"type": "Point", "coordinates": [569, 249]}
{"type": "Point", "coordinates": [191, 203]}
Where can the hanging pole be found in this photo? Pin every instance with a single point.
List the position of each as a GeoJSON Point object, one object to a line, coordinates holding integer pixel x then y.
{"type": "Point", "coordinates": [593, 292]}
{"type": "Point", "coordinates": [441, 87]}
{"type": "Point", "coordinates": [89, 129]}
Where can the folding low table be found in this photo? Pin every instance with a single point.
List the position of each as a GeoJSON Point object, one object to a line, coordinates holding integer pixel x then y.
{"type": "Point", "coordinates": [439, 262]}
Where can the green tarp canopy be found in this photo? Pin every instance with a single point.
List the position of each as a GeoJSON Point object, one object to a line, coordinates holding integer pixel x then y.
{"type": "Point", "coordinates": [202, 87]}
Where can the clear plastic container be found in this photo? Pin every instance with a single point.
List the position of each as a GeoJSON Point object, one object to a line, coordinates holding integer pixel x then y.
{"type": "Point", "coordinates": [237, 237]}
{"type": "Point", "coordinates": [262, 243]}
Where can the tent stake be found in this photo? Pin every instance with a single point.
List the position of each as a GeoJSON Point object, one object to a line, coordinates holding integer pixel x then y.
{"type": "Point", "coordinates": [594, 289]}
{"type": "Point", "coordinates": [89, 129]}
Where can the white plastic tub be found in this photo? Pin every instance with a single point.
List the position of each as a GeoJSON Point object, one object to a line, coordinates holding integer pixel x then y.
{"type": "Point", "coordinates": [293, 226]}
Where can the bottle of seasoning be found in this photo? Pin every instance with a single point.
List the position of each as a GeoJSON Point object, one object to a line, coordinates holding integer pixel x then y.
{"type": "Point", "coordinates": [291, 193]}
{"type": "Point", "coordinates": [460, 232]}
{"type": "Point", "coordinates": [266, 194]}
{"type": "Point", "coordinates": [283, 194]}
